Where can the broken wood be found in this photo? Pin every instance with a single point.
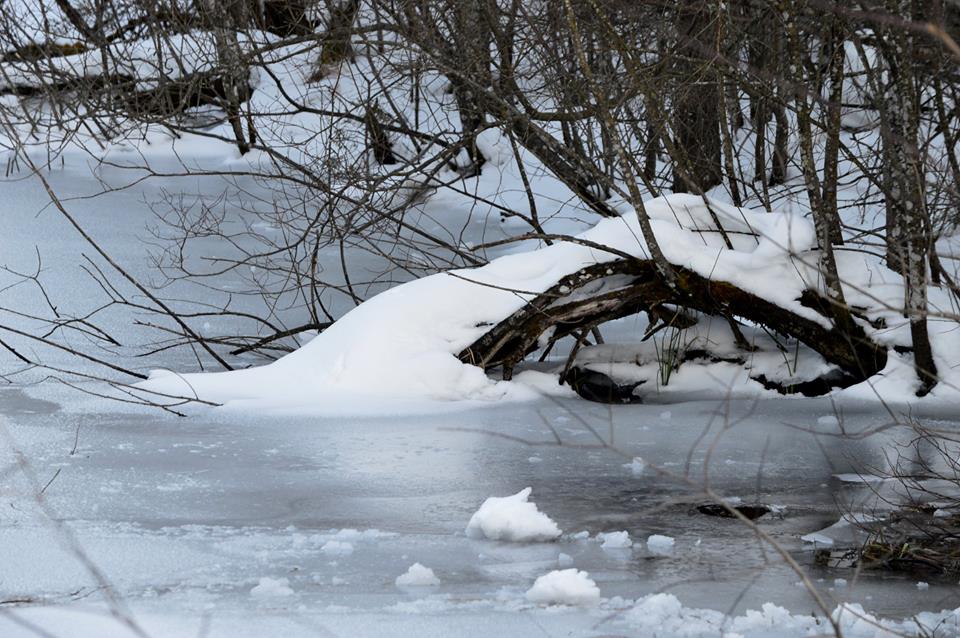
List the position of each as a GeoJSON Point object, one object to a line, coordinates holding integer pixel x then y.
{"type": "Point", "coordinates": [607, 291]}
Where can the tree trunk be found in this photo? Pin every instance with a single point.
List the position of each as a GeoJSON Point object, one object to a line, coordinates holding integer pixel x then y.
{"type": "Point", "coordinates": [696, 102]}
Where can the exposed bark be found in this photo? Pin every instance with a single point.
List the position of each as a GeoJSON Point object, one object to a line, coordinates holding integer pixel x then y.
{"type": "Point", "coordinates": [335, 47]}
{"type": "Point", "coordinates": [696, 103]}
{"type": "Point", "coordinates": [567, 309]}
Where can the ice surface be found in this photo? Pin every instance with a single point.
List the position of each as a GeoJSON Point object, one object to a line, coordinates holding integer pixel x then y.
{"type": "Point", "coordinates": [512, 518]}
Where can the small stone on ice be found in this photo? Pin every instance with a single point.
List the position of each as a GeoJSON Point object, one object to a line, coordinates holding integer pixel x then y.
{"type": "Point", "coordinates": [418, 576]}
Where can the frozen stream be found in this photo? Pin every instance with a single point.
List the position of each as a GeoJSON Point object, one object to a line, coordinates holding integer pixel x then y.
{"type": "Point", "coordinates": [186, 516]}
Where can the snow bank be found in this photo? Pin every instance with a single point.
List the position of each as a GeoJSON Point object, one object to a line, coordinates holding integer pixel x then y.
{"type": "Point", "coordinates": [512, 518]}
{"type": "Point", "coordinates": [664, 616]}
{"type": "Point", "coordinates": [398, 351]}
{"type": "Point", "coordinates": [399, 348]}
{"type": "Point", "coordinates": [564, 587]}
{"type": "Point", "coordinates": [417, 576]}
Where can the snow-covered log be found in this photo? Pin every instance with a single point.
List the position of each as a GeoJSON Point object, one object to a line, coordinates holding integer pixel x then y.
{"type": "Point", "coordinates": [605, 291]}
{"type": "Point", "coordinates": [434, 338]}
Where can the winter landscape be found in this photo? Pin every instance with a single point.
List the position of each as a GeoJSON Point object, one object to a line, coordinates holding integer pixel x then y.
{"type": "Point", "coordinates": [479, 317]}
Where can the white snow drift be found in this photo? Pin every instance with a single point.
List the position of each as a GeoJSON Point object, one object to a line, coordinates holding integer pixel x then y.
{"type": "Point", "coordinates": [512, 518]}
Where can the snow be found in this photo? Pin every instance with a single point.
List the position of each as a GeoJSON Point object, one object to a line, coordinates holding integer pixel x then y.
{"type": "Point", "coordinates": [659, 544]}
{"type": "Point", "coordinates": [512, 518]}
{"type": "Point", "coordinates": [636, 466]}
{"type": "Point", "coordinates": [615, 540]}
{"type": "Point", "coordinates": [401, 345]}
{"type": "Point", "coordinates": [564, 587]}
{"type": "Point", "coordinates": [417, 576]}
{"type": "Point", "coordinates": [272, 588]}
{"type": "Point", "coordinates": [337, 548]}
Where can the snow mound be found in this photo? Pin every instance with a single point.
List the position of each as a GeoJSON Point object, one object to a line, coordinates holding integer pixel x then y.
{"type": "Point", "coordinates": [664, 616]}
{"type": "Point", "coordinates": [512, 518]}
{"type": "Point", "coordinates": [564, 587]}
{"type": "Point", "coordinates": [271, 588]}
{"type": "Point", "coordinates": [397, 351]}
{"type": "Point", "coordinates": [417, 576]}
{"type": "Point", "coordinates": [615, 540]}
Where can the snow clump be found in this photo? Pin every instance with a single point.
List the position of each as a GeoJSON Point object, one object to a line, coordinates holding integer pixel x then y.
{"type": "Point", "coordinates": [417, 576]}
{"type": "Point", "coordinates": [564, 587]}
{"type": "Point", "coordinates": [615, 540]}
{"type": "Point", "coordinates": [337, 548]}
{"type": "Point", "coordinates": [659, 544]}
{"type": "Point", "coordinates": [512, 518]}
{"type": "Point", "coordinates": [271, 588]}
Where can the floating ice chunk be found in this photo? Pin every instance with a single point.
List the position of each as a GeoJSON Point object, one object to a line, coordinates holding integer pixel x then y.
{"type": "Point", "coordinates": [271, 588]}
{"type": "Point", "coordinates": [922, 585]}
{"type": "Point", "coordinates": [580, 536]}
{"type": "Point", "coordinates": [659, 544]}
{"type": "Point", "coordinates": [535, 459]}
{"type": "Point", "coordinates": [418, 576]}
{"type": "Point", "coordinates": [512, 518]}
{"type": "Point", "coordinates": [337, 548]}
{"type": "Point", "coordinates": [564, 587]}
{"type": "Point", "coordinates": [636, 466]}
{"type": "Point", "coordinates": [615, 540]}
{"type": "Point", "coordinates": [564, 560]}
{"type": "Point", "coordinates": [839, 582]}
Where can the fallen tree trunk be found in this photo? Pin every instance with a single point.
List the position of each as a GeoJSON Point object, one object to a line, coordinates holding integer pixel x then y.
{"type": "Point", "coordinates": [606, 291]}
{"type": "Point", "coordinates": [169, 96]}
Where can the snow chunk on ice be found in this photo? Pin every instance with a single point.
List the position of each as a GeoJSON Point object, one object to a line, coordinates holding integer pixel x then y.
{"type": "Point", "coordinates": [829, 419]}
{"type": "Point", "coordinates": [512, 518]}
{"type": "Point", "coordinates": [564, 560]}
{"type": "Point", "coordinates": [564, 587]}
{"type": "Point", "coordinates": [615, 540]}
{"type": "Point", "coordinates": [659, 544]}
{"type": "Point", "coordinates": [271, 588]}
{"type": "Point", "coordinates": [337, 548]}
{"type": "Point", "coordinates": [418, 576]}
{"type": "Point", "coordinates": [636, 466]}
